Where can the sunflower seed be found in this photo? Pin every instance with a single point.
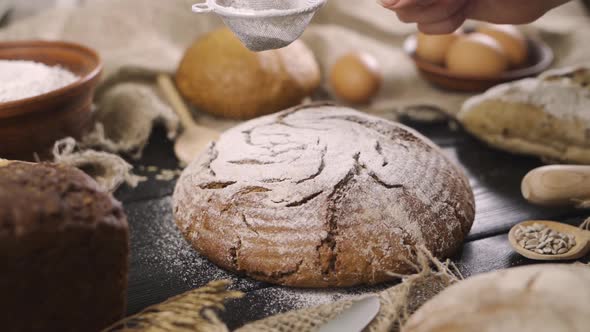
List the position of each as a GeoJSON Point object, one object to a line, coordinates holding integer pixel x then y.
{"type": "Point", "coordinates": [543, 244]}
{"type": "Point", "coordinates": [544, 240]}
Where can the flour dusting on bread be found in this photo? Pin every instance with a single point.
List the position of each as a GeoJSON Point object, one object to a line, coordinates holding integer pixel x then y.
{"type": "Point", "coordinates": [548, 117]}
{"type": "Point", "coordinates": [322, 196]}
{"type": "Point", "coordinates": [561, 93]}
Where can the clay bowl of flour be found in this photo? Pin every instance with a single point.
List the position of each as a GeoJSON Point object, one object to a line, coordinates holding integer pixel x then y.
{"type": "Point", "coordinates": [46, 92]}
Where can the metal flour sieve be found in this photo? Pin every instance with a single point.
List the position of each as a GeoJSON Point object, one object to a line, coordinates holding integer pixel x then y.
{"type": "Point", "coordinates": [263, 24]}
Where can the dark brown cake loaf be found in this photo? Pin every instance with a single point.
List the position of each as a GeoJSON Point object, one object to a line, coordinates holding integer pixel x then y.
{"type": "Point", "coordinates": [63, 250]}
{"type": "Point", "coordinates": [321, 196]}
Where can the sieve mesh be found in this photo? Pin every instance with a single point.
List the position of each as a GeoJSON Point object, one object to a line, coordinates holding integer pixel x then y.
{"type": "Point", "coordinates": [264, 24]}
{"type": "Point", "coordinates": [266, 4]}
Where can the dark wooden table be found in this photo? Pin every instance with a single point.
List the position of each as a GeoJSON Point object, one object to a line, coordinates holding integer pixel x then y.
{"type": "Point", "coordinates": [163, 264]}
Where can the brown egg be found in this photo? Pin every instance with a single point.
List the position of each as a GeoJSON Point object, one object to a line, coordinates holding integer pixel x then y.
{"type": "Point", "coordinates": [477, 55]}
{"type": "Point", "coordinates": [434, 48]}
{"type": "Point", "coordinates": [511, 39]}
{"type": "Point", "coordinates": [356, 78]}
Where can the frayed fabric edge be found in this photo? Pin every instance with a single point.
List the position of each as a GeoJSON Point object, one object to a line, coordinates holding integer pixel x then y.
{"type": "Point", "coordinates": [108, 170]}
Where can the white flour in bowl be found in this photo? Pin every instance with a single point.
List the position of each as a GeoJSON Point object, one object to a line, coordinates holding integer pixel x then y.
{"type": "Point", "coordinates": [25, 79]}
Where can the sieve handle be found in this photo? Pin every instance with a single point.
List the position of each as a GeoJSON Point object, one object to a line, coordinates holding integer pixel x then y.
{"type": "Point", "coordinates": [202, 8]}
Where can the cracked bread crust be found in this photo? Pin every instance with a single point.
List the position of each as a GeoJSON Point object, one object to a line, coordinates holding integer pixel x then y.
{"type": "Point", "coordinates": [321, 196]}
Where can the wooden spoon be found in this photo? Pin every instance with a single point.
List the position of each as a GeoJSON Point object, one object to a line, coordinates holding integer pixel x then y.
{"type": "Point", "coordinates": [581, 236]}
{"type": "Point", "coordinates": [557, 185]}
{"type": "Point", "coordinates": [194, 138]}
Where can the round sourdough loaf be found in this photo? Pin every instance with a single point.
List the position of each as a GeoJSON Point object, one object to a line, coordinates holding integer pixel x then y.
{"type": "Point", "coordinates": [320, 196]}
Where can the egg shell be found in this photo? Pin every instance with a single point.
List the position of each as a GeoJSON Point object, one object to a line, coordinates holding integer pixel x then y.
{"type": "Point", "coordinates": [512, 40]}
{"type": "Point", "coordinates": [477, 55]}
{"type": "Point", "coordinates": [434, 48]}
{"type": "Point", "coordinates": [356, 78]}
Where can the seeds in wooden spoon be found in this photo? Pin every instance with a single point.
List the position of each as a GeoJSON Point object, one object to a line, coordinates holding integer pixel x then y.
{"type": "Point", "coordinates": [544, 240]}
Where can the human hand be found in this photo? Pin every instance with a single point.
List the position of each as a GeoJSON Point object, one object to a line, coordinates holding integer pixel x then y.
{"type": "Point", "coordinates": [445, 16]}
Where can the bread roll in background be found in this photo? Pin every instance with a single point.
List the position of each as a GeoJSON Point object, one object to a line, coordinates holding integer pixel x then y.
{"type": "Point", "coordinates": [537, 298]}
{"type": "Point", "coordinates": [220, 76]}
{"type": "Point", "coordinates": [548, 117]}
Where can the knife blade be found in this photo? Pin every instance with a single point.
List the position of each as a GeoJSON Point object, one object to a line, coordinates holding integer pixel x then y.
{"type": "Point", "coordinates": [356, 317]}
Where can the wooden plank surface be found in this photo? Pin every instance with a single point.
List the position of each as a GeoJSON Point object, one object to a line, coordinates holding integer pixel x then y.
{"type": "Point", "coordinates": [158, 153]}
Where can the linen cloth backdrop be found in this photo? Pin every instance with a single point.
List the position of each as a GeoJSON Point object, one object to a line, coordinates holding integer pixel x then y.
{"type": "Point", "coordinates": [139, 38]}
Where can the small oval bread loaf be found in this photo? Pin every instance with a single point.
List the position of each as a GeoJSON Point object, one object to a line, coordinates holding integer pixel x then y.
{"type": "Point", "coordinates": [320, 196]}
{"type": "Point", "coordinates": [547, 117]}
{"type": "Point", "coordinates": [537, 298]}
{"type": "Point", "coordinates": [221, 76]}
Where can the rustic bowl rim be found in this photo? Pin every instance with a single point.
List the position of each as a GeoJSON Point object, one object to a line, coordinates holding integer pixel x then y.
{"type": "Point", "coordinates": [92, 74]}
{"type": "Point", "coordinates": [545, 62]}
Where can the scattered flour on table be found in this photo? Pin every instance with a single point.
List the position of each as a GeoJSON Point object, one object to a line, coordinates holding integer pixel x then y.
{"type": "Point", "coordinates": [25, 79]}
{"type": "Point", "coordinates": [283, 299]}
{"type": "Point", "coordinates": [165, 249]}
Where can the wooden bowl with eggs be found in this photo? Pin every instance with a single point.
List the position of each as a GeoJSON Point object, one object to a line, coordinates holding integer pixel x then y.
{"type": "Point", "coordinates": [470, 61]}
{"type": "Point", "coordinates": [32, 125]}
